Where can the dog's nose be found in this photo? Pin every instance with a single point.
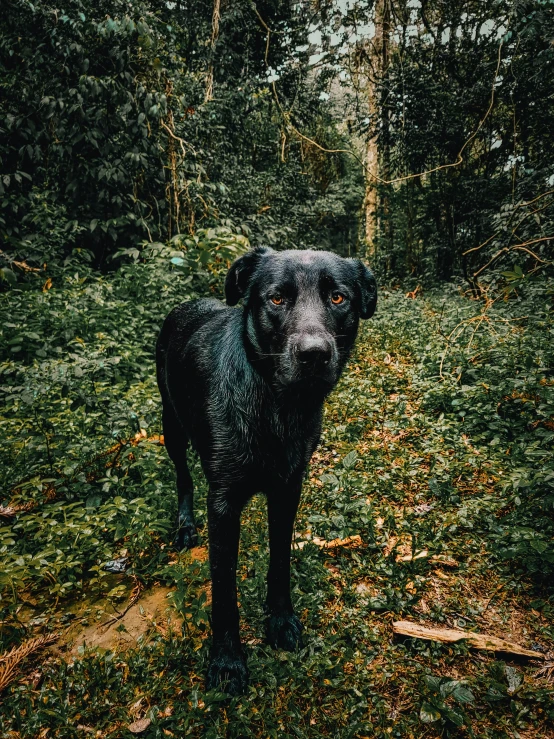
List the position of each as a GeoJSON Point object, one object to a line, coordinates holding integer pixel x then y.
{"type": "Point", "coordinates": [312, 350]}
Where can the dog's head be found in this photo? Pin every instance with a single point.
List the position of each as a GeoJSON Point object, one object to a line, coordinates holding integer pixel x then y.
{"type": "Point", "coordinates": [302, 310]}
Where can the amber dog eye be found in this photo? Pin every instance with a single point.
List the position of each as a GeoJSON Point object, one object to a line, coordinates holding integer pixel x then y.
{"type": "Point", "coordinates": [277, 300]}
{"type": "Point", "coordinates": [337, 298]}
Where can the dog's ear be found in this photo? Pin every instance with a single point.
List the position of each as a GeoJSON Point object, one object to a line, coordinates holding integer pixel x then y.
{"type": "Point", "coordinates": [367, 286]}
{"type": "Point", "coordinates": [242, 269]}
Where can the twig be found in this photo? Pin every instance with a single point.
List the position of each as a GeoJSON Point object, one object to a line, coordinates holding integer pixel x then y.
{"type": "Point", "coordinates": [532, 253]}
{"type": "Point", "coordinates": [267, 28]}
{"type": "Point", "coordinates": [520, 247]}
{"type": "Point", "coordinates": [177, 138]}
{"type": "Point", "coordinates": [135, 595]}
{"type": "Point", "coordinates": [487, 604]}
{"type": "Point", "coordinates": [476, 248]}
{"type": "Point", "coordinates": [530, 202]}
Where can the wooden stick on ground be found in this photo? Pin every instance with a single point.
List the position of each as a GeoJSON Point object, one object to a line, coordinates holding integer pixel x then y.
{"type": "Point", "coordinates": [479, 641]}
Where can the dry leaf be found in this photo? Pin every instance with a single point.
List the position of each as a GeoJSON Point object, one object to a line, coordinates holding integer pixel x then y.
{"type": "Point", "coordinates": [410, 557]}
{"type": "Point", "coordinates": [10, 661]}
{"type": "Point", "coordinates": [137, 727]}
{"type": "Point", "coordinates": [10, 511]}
{"type": "Point", "coordinates": [446, 561]}
{"type": "Point", "coordinates": [350, 541]}
{"type": "Point", "coordinates": [199, 554]}
{"type": "Point", "coordinates": [437, 559]}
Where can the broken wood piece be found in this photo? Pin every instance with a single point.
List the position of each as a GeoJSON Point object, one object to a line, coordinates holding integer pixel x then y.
{"type": "Point", "coordinates": [479, 641]}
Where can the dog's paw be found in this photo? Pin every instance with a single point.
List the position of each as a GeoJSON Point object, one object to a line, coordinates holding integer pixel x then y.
{"type": "Point", "coordinates": [186, 537]}
{"type": "Point", "coordinates": [227, 671]}
{"type": "Point", "coordinates": [284, 631]}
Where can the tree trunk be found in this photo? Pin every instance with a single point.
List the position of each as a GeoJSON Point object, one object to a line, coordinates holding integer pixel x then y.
{"type": "Point", "coordinates": [377, 150]}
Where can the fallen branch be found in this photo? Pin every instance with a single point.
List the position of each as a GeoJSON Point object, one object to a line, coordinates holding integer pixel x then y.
{"type": "Point", "coordinates": [479, 641]}
{"type": "Point", "coordinates": [10, 661]}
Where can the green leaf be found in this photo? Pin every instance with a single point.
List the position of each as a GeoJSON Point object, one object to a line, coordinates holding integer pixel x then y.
{"type": "Point", "coordinates": [428, 714]}
{"type": "Point", "coordinates": [329, 479]}
{"type": "Point", "coordinates": [463, 694]}
{"type": "Point", "coordinates": [350, 460]}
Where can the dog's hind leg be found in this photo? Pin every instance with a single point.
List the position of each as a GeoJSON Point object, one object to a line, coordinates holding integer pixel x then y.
{"type": "Point", "coordinates": [176, 443]}
{"type": "Point", "coordinates": [283, 628]}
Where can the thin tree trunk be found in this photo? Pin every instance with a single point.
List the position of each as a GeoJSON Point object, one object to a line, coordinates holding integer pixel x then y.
{"type": "Point", "coordinates": [385, 141]}
{"type": "Point", "coordinates": [215, 33]}
{"type": "Point", "coordinates": [372, 152]}
{"type": "Point", "coordinates": [379, 60]}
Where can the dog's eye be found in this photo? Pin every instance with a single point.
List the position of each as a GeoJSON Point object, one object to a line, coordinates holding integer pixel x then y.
{"type": "Point", "coordinates": [277, 299]}
{"type": "Point", "coordinates": [337, 298]}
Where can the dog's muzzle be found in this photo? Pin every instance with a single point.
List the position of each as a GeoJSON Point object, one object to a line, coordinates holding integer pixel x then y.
{"type": "Point", "coordinates": [310, 356]}
{"type": "Point", "coordinates": [313, 352]}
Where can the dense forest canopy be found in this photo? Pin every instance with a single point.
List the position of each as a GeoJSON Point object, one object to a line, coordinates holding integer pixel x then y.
{"type": "Point", "coordinates": [286, 121]}
{"type": "Point", "coordinates": [143, 147]}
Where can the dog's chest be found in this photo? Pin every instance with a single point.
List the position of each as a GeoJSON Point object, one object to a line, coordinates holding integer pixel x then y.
{"type": "Point", "coordinates": [253, 438]}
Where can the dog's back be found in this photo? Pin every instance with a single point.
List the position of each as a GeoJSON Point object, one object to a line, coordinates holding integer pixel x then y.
{"type": "Point", "coordinates": [178, 328]}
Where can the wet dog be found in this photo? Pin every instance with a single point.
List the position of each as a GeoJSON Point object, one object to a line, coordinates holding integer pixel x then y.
{"type": "Point", "coordinates": [245, 387]}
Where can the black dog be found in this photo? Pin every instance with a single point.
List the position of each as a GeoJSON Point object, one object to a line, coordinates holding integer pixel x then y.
{"type": "Point", "coordinates": [246, 388]}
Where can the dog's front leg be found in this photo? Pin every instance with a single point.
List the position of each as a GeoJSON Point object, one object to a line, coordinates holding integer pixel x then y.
{"type": "Point", "coordinates": [284, 630]}
{"type": "Point", "coordinates": [227, 668]}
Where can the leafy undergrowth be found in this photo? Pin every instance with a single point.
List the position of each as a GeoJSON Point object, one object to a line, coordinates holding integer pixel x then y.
{"type": "Point", "coordinates": [435, 466]}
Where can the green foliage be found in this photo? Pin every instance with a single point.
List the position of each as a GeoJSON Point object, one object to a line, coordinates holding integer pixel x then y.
{"type": "Point", "coordinates": [106, 138]}
{"type": "Point", "coordinates": [407, 463]}
{"type": "Point", "coordinates": [437, 445]}
{"type": "Point", "coordinates": [77, 385]}
{"type": "Point", "coordinates": [437, 706]}
{"type": "Point", "coordinates": [459, 107]}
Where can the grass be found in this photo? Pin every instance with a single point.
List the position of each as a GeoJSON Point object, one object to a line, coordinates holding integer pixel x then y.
{"type": "Point", "coordinates": [403, 468]}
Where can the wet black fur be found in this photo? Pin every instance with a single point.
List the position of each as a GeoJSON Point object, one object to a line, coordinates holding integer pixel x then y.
{"type": "Point", "coordinates": [245, 387]}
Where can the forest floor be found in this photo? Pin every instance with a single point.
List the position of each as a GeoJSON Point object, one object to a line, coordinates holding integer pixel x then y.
{"type": "Point", "coordinates": [395, 524]}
